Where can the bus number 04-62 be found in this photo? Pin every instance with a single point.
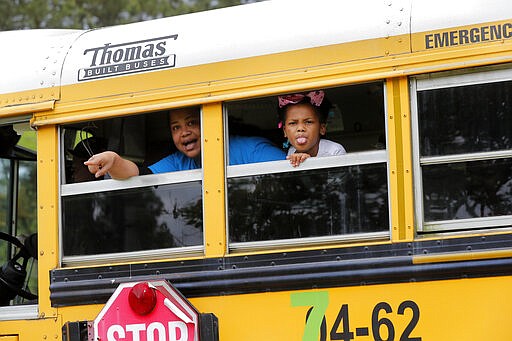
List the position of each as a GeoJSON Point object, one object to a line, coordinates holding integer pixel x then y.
{"type": "Point", "coordinates": [341, 328]}
{"type": "Point", "coordinates": [382, 327]}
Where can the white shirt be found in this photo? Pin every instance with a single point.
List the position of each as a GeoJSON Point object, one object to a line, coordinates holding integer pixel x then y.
{"type": "Point", "coordinates": [325, 148]}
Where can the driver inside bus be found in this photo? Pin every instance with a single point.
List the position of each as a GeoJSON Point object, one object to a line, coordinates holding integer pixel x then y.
{"type": "Point", "coordinates": [186, 135]}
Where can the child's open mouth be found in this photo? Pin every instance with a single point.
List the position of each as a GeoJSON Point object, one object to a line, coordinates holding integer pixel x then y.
{"type": "Point", "coordinates": [301, 140]}
{"type": "Point", "coordinates": [189, 145]}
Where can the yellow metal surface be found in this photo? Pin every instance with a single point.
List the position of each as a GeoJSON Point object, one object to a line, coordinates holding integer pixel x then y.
{"type": "Point", "coordinates": [457, 256]}
{"type": "Point", "coordinates": [9, 338]}
{"type": "Point", "coordinates": [47, 215]}
{"type": "Point", "coordinates": [465, 309]}
{"type": "Point", "coordinates": [406, 155]}
{"type": "Point", "coordinates": [392, 108]}
{"type": "Point", "coordinates": [450, 37]}
{"type": "Point", "coordinates": [26, 108]}
{"type": "Point", "coordinates": [400, 159]}
{"type": "Point", "coordinates": [31, 330]}
{"type": "Point", "coordinates": [27, 98]}
{"type": "Point", "coordinates": [213, 185]}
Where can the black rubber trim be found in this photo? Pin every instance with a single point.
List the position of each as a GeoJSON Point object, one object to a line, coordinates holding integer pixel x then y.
{"type": "Point", "coordinates": [350, 266]}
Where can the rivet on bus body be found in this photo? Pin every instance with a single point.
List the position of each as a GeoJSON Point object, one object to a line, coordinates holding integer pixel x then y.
{"type": "Point", "coordinates": [44, 336]}
{"type": "Point", "coordinates": [399, 23]}
{"type": "Point", "coordinates": [390, 117]}
{"type": "Point", "coordinates": [388, 21]}
{"type": "Point", "coordinates": [205, 140]}
{"type": "Point", "coordinates": [41, 253]}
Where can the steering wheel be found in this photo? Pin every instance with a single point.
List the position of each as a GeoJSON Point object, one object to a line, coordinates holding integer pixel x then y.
{"type": "Point", "coordinates": [14, 271]}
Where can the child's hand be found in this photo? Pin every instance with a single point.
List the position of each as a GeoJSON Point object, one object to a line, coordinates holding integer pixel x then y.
{"type": "Point", "coordinates": [100, 164]}
{"type": "Point", "coordinates": [297, 158]}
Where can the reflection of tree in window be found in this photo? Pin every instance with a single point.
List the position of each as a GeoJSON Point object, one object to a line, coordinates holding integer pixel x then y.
{"type": "Point", "coordinates": [308, 204]}
{"type": "Point", "coordinates": [4, 207]}
{"type": "Point", "coordinates": [27, 204]}
{"type": "Point", "coordinates": [131, 220]}
{"type": "Point", "coordinates": [18, 189]}
{"type": "Point", "coordinates": [467, 189]}
{"type": "Point", "coordinates": [466, 119]}
{"type": "Point", "coordinates": [193, 214]}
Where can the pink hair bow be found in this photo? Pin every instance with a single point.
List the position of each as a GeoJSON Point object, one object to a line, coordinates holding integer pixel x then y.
{"type": "Point", "coordinates": [315, 98]}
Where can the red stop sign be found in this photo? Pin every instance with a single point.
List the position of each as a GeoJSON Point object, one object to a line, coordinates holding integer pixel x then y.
{"type": "Point", "coordinates": [172, 319]}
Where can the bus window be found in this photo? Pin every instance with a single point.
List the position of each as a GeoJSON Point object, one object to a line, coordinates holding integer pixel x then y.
{"type": "Point", "coordinates": [342, 196]}
{"type": "Point", "coordinates": [464, 150]}
{"type": "Point", "coordinates": [18, 214]}
{"type": "Point", "coordinates": [144, 213]}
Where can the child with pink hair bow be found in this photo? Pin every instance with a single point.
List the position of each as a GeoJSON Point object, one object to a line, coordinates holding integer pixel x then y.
{"type": "Point", "coordinates": [303, 118]}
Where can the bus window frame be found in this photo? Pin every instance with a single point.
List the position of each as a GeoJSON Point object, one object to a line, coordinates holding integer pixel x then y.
{"type": "Point", "coordinates": [276, 167]}
{"type": "Point", "coordinates": [107, 185]}
{"type": "Point", "coordinates": [449, 79]}
{"type": "Point", "coordinates": [19, 311]}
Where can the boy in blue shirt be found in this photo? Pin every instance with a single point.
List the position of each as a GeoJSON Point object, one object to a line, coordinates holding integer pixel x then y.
{"type": "Point", "coordinates": [186, 135]}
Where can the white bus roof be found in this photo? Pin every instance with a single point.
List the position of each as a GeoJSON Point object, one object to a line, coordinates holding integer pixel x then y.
{"type": "Point", "coordinates": [35, 59]}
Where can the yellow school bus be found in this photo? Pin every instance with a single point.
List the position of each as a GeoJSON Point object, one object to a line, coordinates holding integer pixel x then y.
{"type": "Point", "coordinates": [407, 236]}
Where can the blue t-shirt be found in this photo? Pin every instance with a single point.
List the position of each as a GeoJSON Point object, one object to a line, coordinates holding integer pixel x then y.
{"type": "Point", "coordinates": [242, 150]}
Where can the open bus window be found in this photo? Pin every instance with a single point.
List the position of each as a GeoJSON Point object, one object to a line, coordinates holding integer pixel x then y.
{"type": "Point", "coordinates": [162, 211]}
{"type": "Point", "coordinates": [464, 150]}
{"type": "Point", "coordinates": [18, 214]}
{"type": "Point", "coordinates": [143, 139]}
{"type": "Point", "coordinates": [323, 197]}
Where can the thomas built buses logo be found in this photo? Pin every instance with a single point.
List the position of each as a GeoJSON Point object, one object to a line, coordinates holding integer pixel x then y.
{"type": "Point", "coordinates": [121, 59]}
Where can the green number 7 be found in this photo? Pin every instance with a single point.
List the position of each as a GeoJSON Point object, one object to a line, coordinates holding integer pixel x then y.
{"type": "Point", "coordinates": [319, 301]}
